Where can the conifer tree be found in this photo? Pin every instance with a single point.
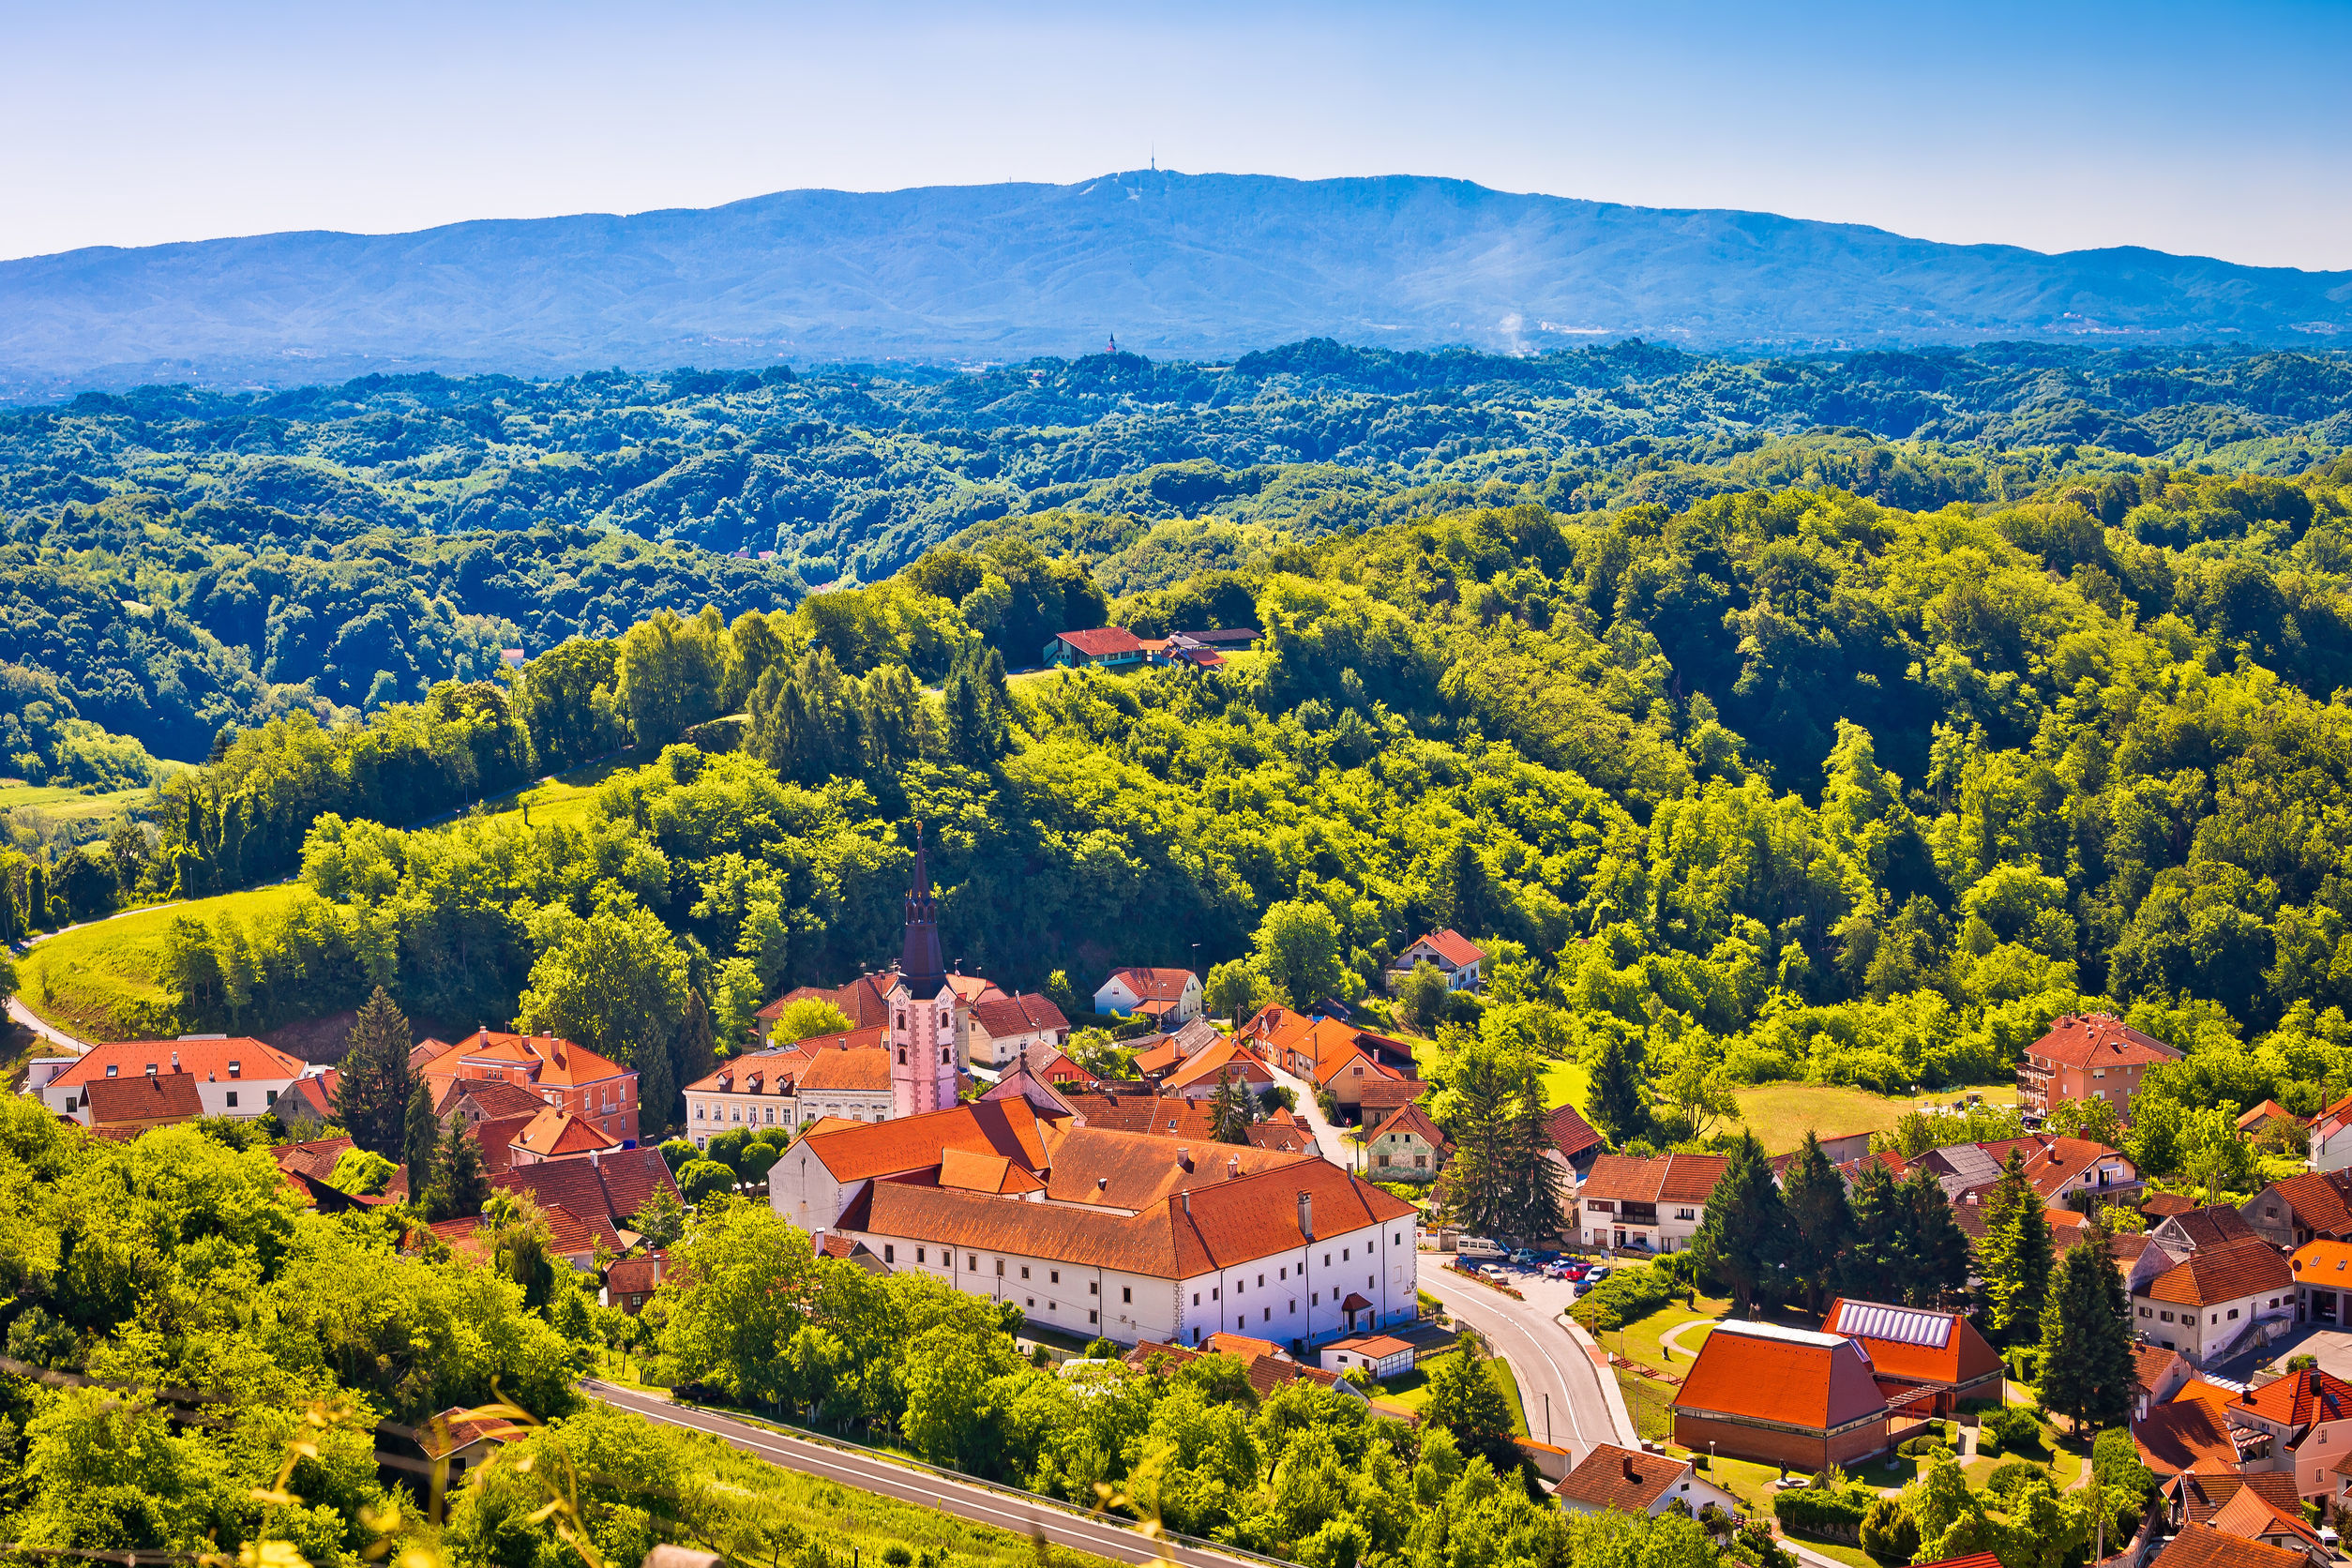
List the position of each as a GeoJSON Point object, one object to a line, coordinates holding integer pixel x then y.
{"type": "Point", "coordinates": [461, 1185]}
{"type": "Point", "coordinates": [1937, 1254]}
{"type": "Point", "coordinates": [1878, 1258]}
{"type": "Point", "coordinates": [1745, 1239]}
{"type": "Point", "coordinates": [2016, 1261]}
{"type": "Point", "coordinates": [422, 1132]}
{"type": "Point", "coordinates": [656, 1096]}
{"type": "Point", "coordinates": [1478, 1181]}
{"type": "Point", "coordinates": [1822, 1220]}
{"type": "Point", "coordinates": [373, 1085]}
{"type": "Point", "coordinates": [1537, 1181]}
{"type": "Point", "coordinates": [1230, 1112]}
{"type": "Point", "coordinates": [698, 1041]}
{"type": "Point", "coordinates": [1615, 1102]}
{"type": "Point", "coordinates": [2087, 1365]}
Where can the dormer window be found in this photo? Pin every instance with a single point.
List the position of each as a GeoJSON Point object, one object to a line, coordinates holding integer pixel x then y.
{"type": "Point", "coordinates": [234, 1065]}
{"type": "Point", "coordinates": [113, 1071]}
{"type": "Point", "coordinates": [151, 1069]}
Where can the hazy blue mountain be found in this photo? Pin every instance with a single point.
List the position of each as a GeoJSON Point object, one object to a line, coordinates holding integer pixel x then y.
{"type": "Point", "coordinates": [1200, 265]}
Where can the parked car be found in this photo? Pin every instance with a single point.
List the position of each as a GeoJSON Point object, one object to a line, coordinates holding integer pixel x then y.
{"type": "Point", "coordinates": [1597, 1272]}
{"type": "Point", "coordinates": [1524, 1258]}
{"type": "Point", "coordinates": [1573, 1270]}
{"type": "Point", "coordinates": [1494, 1271]}
{"type": "Point", "coordinates": [1476, 1246]}
{"type": "Point", "coordinates": [1580, 1288]}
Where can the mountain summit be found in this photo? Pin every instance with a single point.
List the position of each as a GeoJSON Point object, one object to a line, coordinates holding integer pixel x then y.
{"type": "Point", "coordinates": [1174, 264]}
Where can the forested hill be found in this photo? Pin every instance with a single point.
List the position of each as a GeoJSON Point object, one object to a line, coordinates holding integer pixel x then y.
{"type": "Point", "coordinates": [1170, 262]}
{"type": "Point", "coordinates": [175, 560]}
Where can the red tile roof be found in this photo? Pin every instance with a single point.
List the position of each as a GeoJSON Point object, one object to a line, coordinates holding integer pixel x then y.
{"type": "Point", "coordinates": [2221, 1274]}
{"type": "Point", "coordinates": [1816, 1381]}
{"type": "Point", "coordinates": [631, 1178]}
{"type": "Point", "coordinates": [1412, 1118]}
{"type": "Point", "coordinates": [2099, 1040]}
{"type": "Point", "coordinates": [2299, 1398]}
{"type": "Point", "coordinates": [847, 1071]}
{"type": "Point", "coordinates": [1154, 985]}
{"type": "Point", "coordinates": [2158, 1205]}
{"type": "Point", "coordinates": [1017, 1015]}
{"type": "Point", "coordinates": [2203, 1547]}
{"type": "Point", "coordinates": [211, 1060]}
{"type": "Point", "coordinates": [1621, 1478]}
{"type": "Point", "coordinates": [495, 1136]}
{"type": "Point", "coordinates": [1914, 1344]}
{"type": "Point", "coordinates": [2263, 1114]}
{"type": "Point", "coordinates": [634, 1275]}
{"type": "Point", "coordinates": [2219, 1224]}
{"type": "Point", "coordinates": [2317, 1200]}
{"type": "Point", "coordinates": [1662, 1179]}
{"type": "Point", "coordinates": [1099, 642]}
{"type": "Point", "coordinates": [553, 1133]}
{"type": "Point", "coordinates": [314, 1093]}
{"type": "Point", "coordinates": [490, 1096]}
{"type": "Point", "coordinates": [2185, 1435]}
{"type": "Point", "coordinates": [1225, 1059]}
{"type": "Point", "coordinates": [165, 1097]}
{"type": "Point", "coordinates": [2254, 1517]}
{"type": "Point", "coordinates": [315, 1159]}
{"type": "Point", "coordinates": [1459, 949]}
{"type": "Point", "coordinates": [1571, 1134]}
{"type": "Point", "coordinates": [865, 1150]}
{"type": "Point", "coordinates": [1266, 1373]}
{"type": "Point", "coordinates": [551, 1062]}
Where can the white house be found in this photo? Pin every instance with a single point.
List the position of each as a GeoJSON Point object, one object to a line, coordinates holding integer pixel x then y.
{"type": "Point", "coordinates": [1654, 1205]}
{"type": "Point", "coordinates": [234, 1075]}
{"type": "Point", "coordinates": [1383, 1355]}
{"type": "Point", "coordinates": [2332, 1138]}
{"type": "Point", "coordinates": [1454, 955]}
{"type": "Point", "coordinates": [2211, 1303]}
{"type": "Point", "coordinates": [1001, 1029]}
{"type": "Point", "coordinates": [2308, 1415]}
{"type": "Point", "coordinates": [1635, 1482]}
{"type": "Point", "coordinates": [1173, 996]}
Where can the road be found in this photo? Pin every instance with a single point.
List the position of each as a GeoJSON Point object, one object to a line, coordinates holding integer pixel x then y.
{"type": "Point", "coordinates": [1547, 1361]}
{"type": "Point", "coordinates": [963, 1499]}
{"type": "Point", "coordinates": [58, 1037]}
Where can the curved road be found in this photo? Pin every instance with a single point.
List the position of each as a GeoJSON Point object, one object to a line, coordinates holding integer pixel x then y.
{"type": "Point", "coordinates": [980, 1505]}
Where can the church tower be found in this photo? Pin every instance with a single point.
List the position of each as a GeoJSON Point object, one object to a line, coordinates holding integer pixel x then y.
{"type": "Point", "coordinates": [923, 1072]}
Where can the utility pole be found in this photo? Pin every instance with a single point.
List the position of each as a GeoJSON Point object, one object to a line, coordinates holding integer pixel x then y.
{"type": "Point", "coordinates": [1547, 1415]}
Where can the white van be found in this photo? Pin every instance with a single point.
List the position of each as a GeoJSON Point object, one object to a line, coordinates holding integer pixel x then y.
{"type": "Point", "coordinates": [1478, 1247]}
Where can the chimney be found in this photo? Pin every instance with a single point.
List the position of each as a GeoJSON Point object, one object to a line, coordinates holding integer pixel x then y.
{"type": "Point", "coordinates": [176, 1061]}
{"type": "Point", "coordinates": [1187, 1196]}
{"type": "Point", "coordinates": [1102, 1184]}
{"type": "Point", "coordinates": [1631, 1473]}
{"type": "Point", "coordinates": [1232, 1167]}
{"type": "Point", "coordinates": [1183, 1158]}
{"type": "Point", "coordinates": [1306, 1215]}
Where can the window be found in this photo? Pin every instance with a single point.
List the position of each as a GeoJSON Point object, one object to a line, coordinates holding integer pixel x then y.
{"type": "Point", "coordinates": [1024, 1271]}
{"type": "Point", "coordinates": [233, 1068]}
{"type": "Point", "coordinates": [1686, 1214]}
{"type": "Point", "coordinates": [972, 1264]}
{"type": "Point", "coordinates": [1032, 1304]}
{"type": "Point", "coordinates": [2233, 1315]}
{"type": "Point", "coordinates": [1196, 1297]}
{"type": "Point", "coordinates": [270, 1095]}
{"type": "Point", "coordinates": [232, 1099]}
{"type": "Point", "coordinates": [1294, 1307]}
{"type": "Point", "coordinates": [1315, 1299]}
{"type": "Point", "coordinates": [2166, 1316]}
{"type": "Point", "coordinates": [1262, 1283]}
{"type": "Point", "coordinates": [1268, 1314]}
{"type": "Point", "coordinates": [698, 1111]}
{"type": "Point", "coordinates": [1421, 1162]}
{"type": "Point", "coordinates": [890, 1253]}
{"type": "Point", "coordinates": [919, 1251]}
{"type": "Point", "coordinates": [1000, 1268]}
{"type": "Point", "coordinates": [1053, 1276]}
{"type": "Point", "coordinates": [1094, 1316]}
{"type": "Point", "coordinates": [2143, 1312]}
{"type": "Point", "coordinates": [1126, 1293]}
{"type": "Point", "coordinates": [2099, 1072]}
{"type": "Point", "coordinates": [734, 1113]}
{"type": "Point", "coordinates": [1212, 1293]}
{"type": "Point", "coordinates": [1285, 1274]}
{"type": "Point", "coordinates": [1343, 1254]}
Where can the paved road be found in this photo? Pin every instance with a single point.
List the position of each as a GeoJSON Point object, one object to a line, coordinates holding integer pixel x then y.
{"type": "Point", "coordinates": [966, 1501]}
{"type": "Point", "coordinates": [58, 1037]}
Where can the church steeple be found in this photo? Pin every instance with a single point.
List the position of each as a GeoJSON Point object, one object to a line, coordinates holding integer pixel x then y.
{"type": "Point", "coordinates": [923, 964]}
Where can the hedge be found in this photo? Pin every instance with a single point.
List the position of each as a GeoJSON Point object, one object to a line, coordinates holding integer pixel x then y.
{"type": "Point", "coordinates": [1623, 1296]}
{"type": "Point", "coordinates": [1836, 1514]}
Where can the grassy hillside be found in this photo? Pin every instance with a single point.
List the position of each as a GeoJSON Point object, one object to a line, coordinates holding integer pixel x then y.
{"type": "Point", "coordinates": [101, 981]}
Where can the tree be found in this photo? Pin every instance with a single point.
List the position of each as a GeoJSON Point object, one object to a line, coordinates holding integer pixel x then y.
{"type": "Point", "coordinates": [1234, 991]}
{"type": "Point", "coordinates": [616, 982]}
{"type": "Point", "coordinates": [1615, 1100]}
{"type": "Point", "coordinates": [1422, 996]}
{"type": "Point", "coordinates": [1057, 991]}
{"type": "Point", "coordinates": [2094, 1120]}
{"type": "Point", "coordinates": [1877, 1261]}
{"type": "Point", "coordinates": [1695, 1089]}
{"type": "Point", "coordinates": [1465, 1400]}
{"type": "Point", "coordinates": [702, 1180]}
{"type": "Point", "coordinates": [1298, 949]}
{"type": "Point", "coordinates": [737, 1284]}
{"type": "Point", "coordinates": [1230, 1112]}
{"type": "Point", "coordinates": [1745, 1239]}
{"type": "Point", "coordinates": [2014, 1261]}
{"type": "Point", "coordinates": [806, 1019]}
{"type": "Point", "coordinates": [461, 1185]}
{"type": "Point", "coordinates": [697, 1053]}
{"type": "Point", "coordinates": [669, 674]}
{"type": "Point", "coordinates": [1477, 1106]}
{"type": "Point", "coordinates": [360, 1171]}
{"type": "Point", "coordinates": [416, 1147]}
{"type": "Point", "coordinates": [373, 1084]}
{"type": "Point", "coordinates": [1937, 1254]}
{"type": "Point", "coordinates": [2087, 1369]}
{"type": "Point", "coordinates": [735, 993]}
{"type": "Point", "coordinates": [1819, 1218]}
{"type": "Point", "coordinates": [660, 1221]}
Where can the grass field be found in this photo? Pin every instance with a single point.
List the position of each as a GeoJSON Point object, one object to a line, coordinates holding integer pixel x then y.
{"type": "Point", "coordinates": [1779, 1113]}
{"type": "Point", "coordinates": [98, 981]}
{"type": "Point", "coordinates": [82, 815]}
{"type": "Point", "coordinates": [1412, 1391]}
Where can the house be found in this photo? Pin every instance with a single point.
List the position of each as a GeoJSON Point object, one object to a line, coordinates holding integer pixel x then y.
{"type": "Point", "coordinates": [865, 1002]}
{"type": "Point", "coordinates": [2260, 1120]}
{"type": "Point", "coordinates": [2158, 1374]}
{"type": "Point", "coordinates": [1915, 1352]}
{"type": "Point", "coordinates": [1283, 1132]}
{"type": "Point", "coordinates": [2191, 1499]}
{"type": "Point", "coordinates": [1156, 1055]}
{"type": "Point", "coordinates": [2185, 1435]}
{"type": "Point", "coordinates": [2301, 1209]}
{"type": "Point", "coordinates": [2094, 1056]}
{"type": "Point", "coordinates": [1124, 1235]}
{"type": "Point", "coordinates": [2072, 1171]}
{"type": "Point", "coordinates": [2199, 1229]}
{"type": "Point", "coordinates": [631, 1283]}
{"type": "Point", "coordinates": [1652, 1205]}
{"type": "Point", "coordinates": [2164, 1205]}
{"type": "Point", "coordinates": [142, 1101]}
{"type": "Point", "coordinates": [2331, 1147]}
{"type": "Point", "coordinates": [570, 1077]}
{"type": "Point", "coordinates": [309, 1097]}
{"type": "Point", "coordinates": [2323, 1282]}
{"type": "Point", "coordinates": [605, 1193]}
{"type": "Point", "coordinates": [2212, 1304]}
{"type": "Point", "coordinates": [232, 1075]}
{"type": "Point", "coordinates": [574, 1241]}
{"type": "Point", "coordinates": [1777, 1395]}
{"type": "Point", "coordinates": [1265, 1371]}
{"type": "Point", "coordinates": [2204, 1546]}
{"type": "Point", "coordinates": [2308, 1416]}
{"type": "Point", "coordinates": [1003, 1027]}
{"type": "Point", "coordinates": [1407, 1147]}
{"type": "Point", "coordinates": [1203, 650]}
{"type": "Point", "coordinates": [1342, 1060]}
{"type": "Point", "coordinates": [1454, 955]}
{"type": "Point", "coordinates": [556, 1135]}
{"type": "Point", "coordinates": [1200, 1077]}
{"type": "Point", "coordinates": [1573, 1143]}
{"type": "Point", "coordinates": [2251, 1515]}
{"type": "Point", "coordinates": [476, 1100]}
{"type": "Point", "coordinates": [462, 1442]}
{"type": "Point", "coordinates": [1171, 996]}
{"type": "Point", "coordinates": [2137, 1258]}
{"type": "Point", "coordinates": [761, 1089]}
{"type": "Point", "coordinates": [856, 1084]}
{"type": "Point", "coordinates": [1382, 1355]}
{"type": "Point", "coordinates": [1112, 647]}
{"type": "Point", "coordinates": [1636, 1482]}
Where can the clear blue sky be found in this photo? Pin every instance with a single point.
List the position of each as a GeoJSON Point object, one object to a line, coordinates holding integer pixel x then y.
{"type": "Point", "coordinates": [2215, 129]}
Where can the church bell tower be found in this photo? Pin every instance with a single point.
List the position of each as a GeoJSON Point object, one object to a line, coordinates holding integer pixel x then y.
{"type": "Point", "coordinates": [923, 1073]}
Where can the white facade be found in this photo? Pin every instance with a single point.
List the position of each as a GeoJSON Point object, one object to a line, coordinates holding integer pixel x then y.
{"type": "Point", "coordinates": [1661, 1226]}
{"type": "Point", "coordinates": [924, 1076]}
{"type": "Point", "coordinates": [2200, 1332]}
{"type": "Point", "coordinates": [236, 1095]}
{"type": "Point", "coordinates": [1119, 994]}
{"type": "Point", "coordinates": [1002, 1050]}
{"type": "Point", "coordinates": [2331, 1140]}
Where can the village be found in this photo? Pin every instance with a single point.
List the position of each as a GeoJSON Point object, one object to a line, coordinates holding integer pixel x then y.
{"type": "Point", "coordinates": [1278, 1190]}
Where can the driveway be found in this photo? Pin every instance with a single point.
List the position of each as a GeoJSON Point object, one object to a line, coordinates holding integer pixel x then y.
{"type": "Point", "coordinates": [928, 1488]}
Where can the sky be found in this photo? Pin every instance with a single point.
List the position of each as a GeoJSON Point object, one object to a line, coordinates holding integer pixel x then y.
{"type": "Point", "coordinates": [2208, 129]}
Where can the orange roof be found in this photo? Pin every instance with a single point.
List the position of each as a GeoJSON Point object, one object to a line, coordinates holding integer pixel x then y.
{"type": "Point", "coordinates": [1266, 1373]}
{"type": "Point", "coordinates": [164, 1098]}
{"type": "Point", "coordinates": [2317, 1200]}
{"type": "Point", "coordinates": [867, 1149]}
{"type": "Point", "coordinates": [553, 1061]}
{"type": "Point", "coordinates": [553, 1133]}
{"type": "Point", "coordinates": [2165, 1204]}
{"type": "Point", "coordinates": [1331, 1047]}
{"type": "Point", "coordinates": [1571, 1134]}
{"type": "Point", "coordinates": [1276, 1025]}
{"type": "Point", "coordinates": [1226, 1344]}
{"type": "Point", "coordinates": [1662, 1179]}
{"type": "Point", "coordinates": [995, 1173]}
{"type": "Point", "coordinates": [1100, 641]}
{"type": "Point", "coordinates": [2216, 1225]}
{"type": "Point", "coordinates": [1914, 1344]}
{"type": "Point", "coordinates": [1160, 1058]}
{"type": "Point", "coordinates": [1380, 1347]}
{"type": "Point", "coordinates": [2299, 1398]}
{"type": "Point", "coordinates": [2185, 1435]}
{"type": "Point", "coordinates": [2099, 1040]}
{"type": "Point", "coordinates": [1456, 949]}
{"type": "Point", "coordinates": [1152, 985]}
{"type": "Point", "coordinates": [1621, 1478]}
{"type": "Point", "coordinates": [217, 1060]}
{"type": "Point", "coordinates": [2326, 1263]}
{"type": "Point", "coordinates": [2203, 1547]}
{"type": "Point", "coordinates": [316, 1159]}
{"type": "Point", "coordinates": [2211, 1394]}
{"type": "Point", "coordinates": [2221, 1274]}
{"type": "Point", "coordinates": [1413, 1120]}
{"type": "Point", "coordinates": [2256, 1517]}
{"type": "Point", "coordinates": [1225, 1059]}
{"type": "Point", "coordinates": [2152, 1364]}
{"type": "Point", "coordinates": [2263, 1114]}
{"type": "Point", "coordinates": [452, 1429]}
{"type": "Point", "coordinates": [846, 1071]}
{"type": "Point", "coordinates": [1103, 1169]}
{"type": "Point", "coordinates": [1818, 1382]}
{"type": "Point", "coordinates": [1017, 1014]}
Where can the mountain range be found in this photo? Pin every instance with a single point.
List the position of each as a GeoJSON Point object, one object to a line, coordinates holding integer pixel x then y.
{"type": "Point", "coordinates": [1200, 265]}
